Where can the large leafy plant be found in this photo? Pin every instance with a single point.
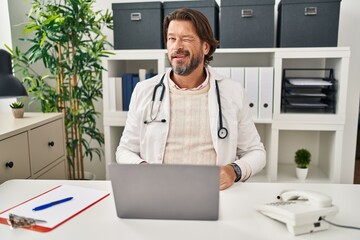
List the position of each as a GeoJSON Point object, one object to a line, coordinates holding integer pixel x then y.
{"type": "Point", "coordinates": [67, 39]}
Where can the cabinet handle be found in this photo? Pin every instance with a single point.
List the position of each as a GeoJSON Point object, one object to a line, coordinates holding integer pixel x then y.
{"type": "Point", "coordinates": [247, 13]}
{"type": "Point", "coordinates": [51, 143]}
{"type": "Point", "coordinates": [135, 16]}
{"type": "Point", "coordinates": [9, 164]}
{"type": "Point", "coordinates": [251, 105]}
{"type": "Point", "coordinates": [310, 11]}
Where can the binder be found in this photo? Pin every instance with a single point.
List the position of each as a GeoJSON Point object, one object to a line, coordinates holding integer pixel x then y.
{"type": "Point", "coordinates": [129, 80]}
{"type": "Point", "coordinates": [252, 89]}
{"type": "Point", "coordinates": [115, 94]}
{"type": "Point", "coordinates": [142, 74]}
{"type": "Point", "coordinates": [134, 80]}
{"type": "Point", "coordinates": [223, 71]}
{"type": "Point", "coordinates": [150, 75]}
{"type": "Point", "coordinates": [126, 90]}
{"type": "Point", "coordinates": [238, 74]}
{"type": "Point", "coordinates": [112, 94]}
{"type": "Point", "coordinates": [266, 83]}
{"type": "Point", "coordinates": [118, 93]}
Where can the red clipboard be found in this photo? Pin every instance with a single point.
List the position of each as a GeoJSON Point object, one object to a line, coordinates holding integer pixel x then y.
{"type": "Point", "coordinates": [83, 198]}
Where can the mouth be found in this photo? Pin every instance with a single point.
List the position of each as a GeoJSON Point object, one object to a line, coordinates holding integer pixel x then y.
{"type": "Point", "coordinates": [180, 55]}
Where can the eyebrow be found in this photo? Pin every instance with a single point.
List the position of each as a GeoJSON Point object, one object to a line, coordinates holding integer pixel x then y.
{"type": "Point", "coordinates": [182, 36]}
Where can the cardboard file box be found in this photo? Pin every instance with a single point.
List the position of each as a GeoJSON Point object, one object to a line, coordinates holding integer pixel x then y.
{"type": "Point", "coordinates": [308, 23]}
{"type": "Point", "coordinates": [138, 25]}
{"type": "Point", "coordinates": [247, 24]}
{"type": "Point", "coordinates": [209, 8]}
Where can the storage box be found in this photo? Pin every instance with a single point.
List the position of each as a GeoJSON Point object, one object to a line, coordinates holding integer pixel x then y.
{"type": "Point", "coordinates": [308, 23]}
{"type": "Point", "coordinates": [247, 24]}
{"type": "Point", "coordinates": [209, 8]}
{"type": "Point", "coordinates": [138, 25]}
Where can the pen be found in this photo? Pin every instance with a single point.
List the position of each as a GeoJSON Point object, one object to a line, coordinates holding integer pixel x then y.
{"type": "Point", "coordinates": [47, 205]}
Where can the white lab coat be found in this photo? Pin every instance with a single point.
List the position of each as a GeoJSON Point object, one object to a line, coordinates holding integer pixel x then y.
{"type": "Point", "coordinates": [146, 142]}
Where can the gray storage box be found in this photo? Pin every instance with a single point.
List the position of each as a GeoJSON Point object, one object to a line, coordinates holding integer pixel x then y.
{"type": "Point", "coordinates": [308, 23]}
{"type": "Point", "coordinates": [247, 24]}
{"type": "Point", "coordinates": [209, 8]}
{"type": "Point", "coordinates": [138, 25]}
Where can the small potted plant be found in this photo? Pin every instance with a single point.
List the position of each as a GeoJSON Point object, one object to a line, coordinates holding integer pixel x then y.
{"type": "Point", "coordinates": [302, 160]}
{"type": "Point", "coordinates": [17, 109]}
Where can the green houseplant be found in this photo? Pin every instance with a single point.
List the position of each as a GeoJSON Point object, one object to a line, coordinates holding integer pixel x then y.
{"type": "Point", "coordinates": [302, 160]}
{"type": "Point", "coordinates": [17, 105]}
{"type": "Point", "coordinates": [17, 109]}
{"type": "Point", "coordinates": [66, 38]}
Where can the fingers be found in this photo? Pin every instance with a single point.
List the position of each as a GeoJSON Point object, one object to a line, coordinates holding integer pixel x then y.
{"type": "Point", "coordinates": [227, 177]}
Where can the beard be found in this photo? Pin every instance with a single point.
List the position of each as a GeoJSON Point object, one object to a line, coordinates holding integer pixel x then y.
{"type": "Point", "coordinates": [183, 69]}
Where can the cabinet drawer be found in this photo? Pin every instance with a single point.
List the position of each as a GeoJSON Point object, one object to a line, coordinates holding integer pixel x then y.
{"type": "Point", "coordinates": [56, 172]}
{"type": "Point", "coordinates": [46, 144]}
{"type": "Point", "coordinates": [14, 157]}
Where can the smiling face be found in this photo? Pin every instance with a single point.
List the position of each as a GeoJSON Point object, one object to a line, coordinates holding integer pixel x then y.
{"type": "Point", "coordinates": [185, 49]}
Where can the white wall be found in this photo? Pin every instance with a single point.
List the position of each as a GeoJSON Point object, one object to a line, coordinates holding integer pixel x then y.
{"type": "Point", "coordinates": [349, 35]}
{"type": "Point", "coordinates": [5, 38]}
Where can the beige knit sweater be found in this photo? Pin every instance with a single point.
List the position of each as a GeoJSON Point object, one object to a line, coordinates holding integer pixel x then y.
{"type": "Point", "coordinates": [189, 139]}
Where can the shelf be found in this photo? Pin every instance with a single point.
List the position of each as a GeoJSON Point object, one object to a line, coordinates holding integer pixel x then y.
{"type": "Point", "coordinates": [322, 133]}
{"type": "Point", "coordinates": [287, 173]}
{"type": "Point", "coordinates": [117, 119]}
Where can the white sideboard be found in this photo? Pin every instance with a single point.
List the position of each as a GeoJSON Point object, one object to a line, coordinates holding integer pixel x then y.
{"type": "Point", "coordinates": [32, 147]}
{"type": "Point", "coordinates": [321, 133]}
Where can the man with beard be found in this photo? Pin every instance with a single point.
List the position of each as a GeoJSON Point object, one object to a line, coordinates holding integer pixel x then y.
{"type": "Point", "coordinates": [190, 114]}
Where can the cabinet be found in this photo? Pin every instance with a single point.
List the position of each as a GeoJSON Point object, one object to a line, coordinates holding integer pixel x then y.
{"type": "Point", "coordinates": [321, 133]}
{"type": "Point", "coordinates": [32, 147]}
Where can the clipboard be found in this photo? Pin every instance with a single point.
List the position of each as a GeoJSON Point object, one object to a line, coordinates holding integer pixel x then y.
{"type": "Point", "coordinates": [83, 198]}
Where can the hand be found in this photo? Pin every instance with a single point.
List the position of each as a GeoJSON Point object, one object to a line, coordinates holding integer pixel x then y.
{"type": "Point", "coordinates": [227, 177]}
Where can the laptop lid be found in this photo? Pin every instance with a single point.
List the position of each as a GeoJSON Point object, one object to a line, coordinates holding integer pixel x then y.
{"type": "Point", "coordinates": [160, 191]}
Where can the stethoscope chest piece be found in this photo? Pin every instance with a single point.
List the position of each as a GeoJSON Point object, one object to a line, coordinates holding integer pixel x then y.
{"type": "Point", "coordinates": [222, 133]}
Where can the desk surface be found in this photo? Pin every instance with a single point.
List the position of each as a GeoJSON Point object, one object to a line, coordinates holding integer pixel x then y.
{"type": "Point", "coordinates": [237, 220]}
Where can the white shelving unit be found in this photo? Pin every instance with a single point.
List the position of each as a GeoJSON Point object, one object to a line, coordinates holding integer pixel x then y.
{"type": "Point", "coordinates": [322, 134]}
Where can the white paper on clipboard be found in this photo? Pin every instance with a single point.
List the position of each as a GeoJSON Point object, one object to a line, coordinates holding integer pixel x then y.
{"type": "Point", "coordinates": [83, 198]}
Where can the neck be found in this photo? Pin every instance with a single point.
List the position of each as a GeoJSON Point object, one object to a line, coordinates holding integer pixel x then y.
{"type": "Point", "coordinates": [193, 80]}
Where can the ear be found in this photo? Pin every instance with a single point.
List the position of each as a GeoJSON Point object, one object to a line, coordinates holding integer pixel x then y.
{"type": "Point", "coordinates": [206, 48]}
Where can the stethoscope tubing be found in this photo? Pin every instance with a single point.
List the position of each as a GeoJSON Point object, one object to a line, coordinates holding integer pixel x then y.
{"type": "Point", "coordinates": [222, 132]}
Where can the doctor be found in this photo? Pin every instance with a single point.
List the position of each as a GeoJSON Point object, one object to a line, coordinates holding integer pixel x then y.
{"type": "Point", "coordinates": [190, 114]}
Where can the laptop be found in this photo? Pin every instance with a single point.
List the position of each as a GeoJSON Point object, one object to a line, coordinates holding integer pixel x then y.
{"type": "Point", "coordinates": [161, 191]}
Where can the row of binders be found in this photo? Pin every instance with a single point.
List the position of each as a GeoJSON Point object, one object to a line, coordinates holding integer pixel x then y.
{"type": "Point", "coordinates": [121, 88]}
{"type": "Point", "coordinates": [258, 83]}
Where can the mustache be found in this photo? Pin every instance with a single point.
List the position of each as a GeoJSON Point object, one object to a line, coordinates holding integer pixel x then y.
{"type": "Point", "coordinates": [180, 51]}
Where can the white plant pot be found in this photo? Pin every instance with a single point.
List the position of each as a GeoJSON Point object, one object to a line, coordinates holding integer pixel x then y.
{"type": "Point", "coordinates": [89, 175]}
{"type": "Point", "coordinates": [301, 173]}
{"type": "Point", "coordinates": [18, 112]}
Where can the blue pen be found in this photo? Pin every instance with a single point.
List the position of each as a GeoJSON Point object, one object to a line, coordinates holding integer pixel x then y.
{"type": "Point", "coordinates": [47, 205]}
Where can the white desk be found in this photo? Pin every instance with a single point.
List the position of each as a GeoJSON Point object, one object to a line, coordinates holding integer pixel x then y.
{"type": "Point", "coordinates": [238, 219]}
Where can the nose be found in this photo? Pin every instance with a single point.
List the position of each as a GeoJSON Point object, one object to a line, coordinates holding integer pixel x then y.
{"type": "Point", "coordinates": [176, 44]}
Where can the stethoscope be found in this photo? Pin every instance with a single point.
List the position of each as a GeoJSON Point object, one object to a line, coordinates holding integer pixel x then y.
{"type": "Point", "coordinates": [222, 132]}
